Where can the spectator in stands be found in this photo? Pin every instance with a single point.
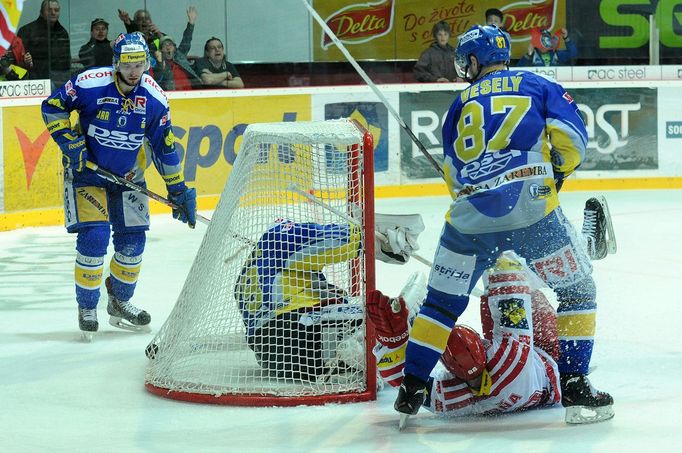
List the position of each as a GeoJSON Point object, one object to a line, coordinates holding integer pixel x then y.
{"type": "Point", "coordinates": [214, 69]}
{"type": "Point", "coordinates": [437, 63]}
{"type": "Point", "coordinates": [15, 61]}
{"type": "Point", "coordinates": [543, 49]}
{"type": "Point", "coordinates": [494, 16]}
{"type": "Point", "coordinates": [142, 22]}
{"type": "Point", "coordinates": [48, 43]}
{"type": "Point", "coordinates": [97, 51]}
{"type": "Point", "coordinates": [173, 70]}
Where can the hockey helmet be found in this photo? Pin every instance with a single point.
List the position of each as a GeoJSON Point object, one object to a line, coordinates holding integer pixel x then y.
{"type": "Point", "coordinates": [464, 355]}
{"type": "Point", "coordinates": [131, 48]}
{"type": "Point", "coordinates": [488, 43]}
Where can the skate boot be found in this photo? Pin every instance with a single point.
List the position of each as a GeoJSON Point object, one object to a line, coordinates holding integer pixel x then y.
{"type": "Point", "coordinates": [87, 322]}
{"type": "Point", "coordinates": [598, 229]}
{"type": "Point", "coordinates": [583, 403]}
{"type": "Point", "coordinates": [411, 396]}
{"type": "Point", "coordinates": [124, 315]}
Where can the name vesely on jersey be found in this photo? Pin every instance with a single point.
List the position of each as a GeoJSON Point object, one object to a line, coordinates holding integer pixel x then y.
{"type": "Point", "coordinates": [116, 139]}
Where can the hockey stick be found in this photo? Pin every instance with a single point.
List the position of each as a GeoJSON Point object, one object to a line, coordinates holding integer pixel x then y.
{"type": "Point", "coordinates": [476, 292]}
{"type": "Point", "coordinates": [374, 88]}
{"type": "Point", "coordinates": [109, 176]}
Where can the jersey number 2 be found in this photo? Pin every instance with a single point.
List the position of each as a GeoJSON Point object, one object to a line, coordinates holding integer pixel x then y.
{"type": "Point", "coordinates": [471, 140]}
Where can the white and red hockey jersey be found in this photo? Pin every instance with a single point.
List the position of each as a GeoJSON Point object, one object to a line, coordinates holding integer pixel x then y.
{"type": "Point", "coordinates": [522, 376]}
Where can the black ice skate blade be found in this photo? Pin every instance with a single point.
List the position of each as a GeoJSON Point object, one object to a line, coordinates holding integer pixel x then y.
{"type": "Point", "coordinates": [582, 415]}
{"type": "Point", "coordinates": [119, 323]}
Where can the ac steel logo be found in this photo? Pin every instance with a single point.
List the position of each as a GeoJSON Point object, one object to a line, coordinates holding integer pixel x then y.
{"type": "Point", "coordinates": [491, 163]}
{"type": "Point", "coordinates": [19, 88]}
{"type": "Point", "coordinates": [116, 139]}
{"type": "Point", "coordinates": [617, 74]}
{"type": "Point", "coordinates": [616, 140]}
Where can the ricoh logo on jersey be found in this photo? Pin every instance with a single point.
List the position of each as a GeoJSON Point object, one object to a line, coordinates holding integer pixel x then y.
{"type": "Point", "coordinates": [599, 118]}
{"type": "Point", "coordinates": [491, 163]}
{"type": "Point", "coordinates": [140, 104]}
{"type": "Point", "coordinates": [116, 139]}
{"type": "Point", "coordinates": [94, 75]}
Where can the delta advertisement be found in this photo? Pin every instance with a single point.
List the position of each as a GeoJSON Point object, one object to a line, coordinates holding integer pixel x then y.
{"type": "Point", "coordinates": [401, 29]}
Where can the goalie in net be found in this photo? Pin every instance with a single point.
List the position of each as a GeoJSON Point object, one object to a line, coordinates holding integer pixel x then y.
{"type": "Point", "coordinates": [298, 323]}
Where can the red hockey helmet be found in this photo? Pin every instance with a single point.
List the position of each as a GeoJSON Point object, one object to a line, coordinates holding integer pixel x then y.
{"type": "Point", "coordinates": [464, 355]}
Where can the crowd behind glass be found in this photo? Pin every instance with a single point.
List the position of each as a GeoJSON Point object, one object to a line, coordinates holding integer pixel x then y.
{"type": "Point", "coordinates": [42, 50]}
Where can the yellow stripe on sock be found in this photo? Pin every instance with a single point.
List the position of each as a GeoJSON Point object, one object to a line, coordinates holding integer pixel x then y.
{"type": "Point", "coordinates": [429, 333]}
{"type": "Point", "coordinates": [576, 324]}
{"type": "Point", "coordinates": [88, 277]}
{"type": "Point", "coordinates": [126, 274]}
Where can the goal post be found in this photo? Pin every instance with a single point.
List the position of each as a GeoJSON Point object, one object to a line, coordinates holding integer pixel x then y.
{"type": "Point", "coordinates": [272, 310]}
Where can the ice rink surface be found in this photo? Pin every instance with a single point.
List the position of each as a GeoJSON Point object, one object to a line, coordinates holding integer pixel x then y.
{"type": "Point", "coordinates": [60, 394]}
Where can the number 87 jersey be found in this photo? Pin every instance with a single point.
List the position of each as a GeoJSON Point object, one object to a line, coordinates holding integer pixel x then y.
{"type": "Point", "coordinates": [507, 138]}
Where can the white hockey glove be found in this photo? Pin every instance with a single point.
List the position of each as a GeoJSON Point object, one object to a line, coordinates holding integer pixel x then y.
{"type": "Point", "coordinates": [397, 236]}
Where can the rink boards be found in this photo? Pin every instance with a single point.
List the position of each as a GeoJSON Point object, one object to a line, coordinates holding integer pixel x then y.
{"type": "Point", "coordinates": [634, 128]}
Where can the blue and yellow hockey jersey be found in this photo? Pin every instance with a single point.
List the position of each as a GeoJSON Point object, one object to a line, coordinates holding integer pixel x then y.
{"type": "Point", "coordinates": [505, 139]}
{"type": "Point", "coordinates": [284, 273]}
{"type": "Point", "coordinates": [116, 127]}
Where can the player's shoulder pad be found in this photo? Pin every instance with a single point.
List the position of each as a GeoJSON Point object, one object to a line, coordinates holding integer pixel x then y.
{"type": "Point", "coordinates": [153, 88]}
{"type": "Point", "coordinates": [95, 77]}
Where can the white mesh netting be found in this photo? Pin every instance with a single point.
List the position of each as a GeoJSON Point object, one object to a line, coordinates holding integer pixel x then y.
{"type": "Point", "coordinates": [273, 302]}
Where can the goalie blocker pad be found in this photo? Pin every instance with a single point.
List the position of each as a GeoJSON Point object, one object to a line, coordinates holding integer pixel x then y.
{"type": "Point", "coordinates": [397, 236]}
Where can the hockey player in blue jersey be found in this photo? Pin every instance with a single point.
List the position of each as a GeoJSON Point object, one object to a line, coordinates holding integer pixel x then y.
{"type": "Point", "coordinates": [123, 117]}
{"type": "Point", "coordinates": [510, 139]}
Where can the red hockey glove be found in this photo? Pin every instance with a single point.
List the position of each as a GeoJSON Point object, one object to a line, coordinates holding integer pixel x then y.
{"type": "Point", "coordinates": [389, 316]}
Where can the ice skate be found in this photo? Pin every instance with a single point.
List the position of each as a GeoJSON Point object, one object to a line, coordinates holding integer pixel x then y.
{"type": "Point", "coordinates": [126, 316]}
{"type": "Point", "coordinates": [583, 403]}
{"type": "Point", "coordinates": [411, 396]}
{"type": "Point", "coordinates": [87, 322]}
{"type": "Point", "coordinates": [598, 229]}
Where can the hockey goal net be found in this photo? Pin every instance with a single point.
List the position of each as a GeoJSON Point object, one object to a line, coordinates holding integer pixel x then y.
{"type": "Point", "coordinates": [294, 226]}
